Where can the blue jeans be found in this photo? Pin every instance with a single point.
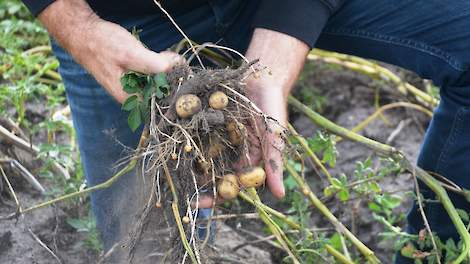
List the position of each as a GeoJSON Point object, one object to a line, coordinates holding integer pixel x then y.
{"type": "Point", "coordinates": [429, 37]}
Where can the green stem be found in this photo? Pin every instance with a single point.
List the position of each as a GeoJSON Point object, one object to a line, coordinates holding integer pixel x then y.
{"type": "Point", "coordinates": [341, 131]}
{"type": "Point", "coordinates": [310, 153]}
{"type": "Point", "coordinates": [387, 150]}
{"type": "Point", "coordinates": [335, 253]}
{"type": "Point", "coordinates": [369, 254]}
{"type": "Point", "coordinates": [177, 215]}
{"type": "Point", "coordinates": [100, 186]}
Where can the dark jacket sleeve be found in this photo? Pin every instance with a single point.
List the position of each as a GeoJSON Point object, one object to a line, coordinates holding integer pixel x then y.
{"type": "Point", "coordinates": [36, 6]}
{"type": "Point", "coordinates": [302, 19]}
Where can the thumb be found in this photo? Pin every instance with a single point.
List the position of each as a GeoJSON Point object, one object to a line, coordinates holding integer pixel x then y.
{"type": "Point", "coordinates": [146, 61]}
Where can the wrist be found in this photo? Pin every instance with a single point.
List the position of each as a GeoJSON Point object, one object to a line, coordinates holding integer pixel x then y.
{"type": "Point", "coordinates": [71, 23]}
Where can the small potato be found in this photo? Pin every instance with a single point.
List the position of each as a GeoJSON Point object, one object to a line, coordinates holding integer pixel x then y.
{"type": "Point", "coordinates": [215, 149]}
{"type": "Point", "coordinates": [228, 187]}
{"type": "Point", "coordinates": [253, 177]}
{"type": "Point", "coordinates": [218, 100]}
{"type": "Point", "coordinates": [188, 148]}
{"type": "Point", "coordinates": [186, 219]}
{"type": "Point", "coordinates": [203, 166]}
{"type": "Point", "coordinates": [187, 105]}
{"type": "Point", "coordinates": [236, 132]}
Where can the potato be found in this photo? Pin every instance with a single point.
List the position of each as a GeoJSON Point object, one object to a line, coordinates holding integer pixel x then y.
{"type": "Point", "coordinates": [218, 100]}
{"type": "Point", "coordinates": [203, 166]}
{"type": "Point", "coordinates": [236, 132]}
{"type": "Point", "coordinates": [216, 148]}
{"type": "Point", "coordinates": [253, 177]}
{"type": "Point", "coordinates": [187, 105]}
{"type": "Point", "coordinates": [188, 148]}
{"type": "Point", "coordinates": [186, 219]}
{"type": "Point", "coordinates": [228, 187]}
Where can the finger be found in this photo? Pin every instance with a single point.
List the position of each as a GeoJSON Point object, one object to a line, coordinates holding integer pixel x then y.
{"type": "Point", "coordinates": [146, 61]}
{"type": "Point", "coordinates": [273, 164]}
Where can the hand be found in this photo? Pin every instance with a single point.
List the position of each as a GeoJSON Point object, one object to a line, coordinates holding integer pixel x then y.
{"type": "Point", "coordinates": [111, 51]}
{"type": "Point", "coordinates": [105, 49]}
{"type": "Point", "coordinates": [268, 144]}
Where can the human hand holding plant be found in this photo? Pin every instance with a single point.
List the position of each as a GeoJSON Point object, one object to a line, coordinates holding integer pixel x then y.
{"type": "Point", "coordinates": [105, 49]}
{"type": "Point", "coordinates": [269, 92]}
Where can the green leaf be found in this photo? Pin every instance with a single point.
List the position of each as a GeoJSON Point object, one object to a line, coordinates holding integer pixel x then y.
{"type": "Point", "coordinates": [290, 183]}
{"type": "Point", "coordinates": [335, 241]}
{"type": "Point", "coordinates": [463, 215]}
{"type": "Point", "coordinates": [148, 91]}
{"type": "Point", "coordinates": [374, 207]}
{"type": "Point", "coordinates": [159, 94]}
{"type": "Point", "coordinates": [343, 195]}
{"type": "Point", "coordinates": [375, 187]}
{"type": "Point", "coordinates": [160, 80]}
{"type": "Point", "coordinates": [77, 224]}
{"type": "Point", "coordinates": [408, 250]}
{"type": "Point", "coordinates": [135, 119]}
{"type": "Point", "coordinates": [329, 190]}
{"type": "Point", "coordinates": [335, 182]}
{"type": "Point", "coordinates": [130, 83]}
{"type": "Point", "coordinates": [130, 103]}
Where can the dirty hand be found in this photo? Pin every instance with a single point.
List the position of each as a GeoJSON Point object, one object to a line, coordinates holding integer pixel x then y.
{"type": "Point", "coordinates": [267, 141]}
{"type": "Point", "coordinates": [105, 49]}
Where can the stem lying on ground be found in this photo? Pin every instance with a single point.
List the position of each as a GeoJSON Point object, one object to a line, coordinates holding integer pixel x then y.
{"type": "Point", "coordinates": [369, 254]}
{"type": "Point", "coordinates": [374, 71]}
{"type": "Point", "coordinates": [130, 166]}
{"type": "Point", "coordinates": [389, 151]}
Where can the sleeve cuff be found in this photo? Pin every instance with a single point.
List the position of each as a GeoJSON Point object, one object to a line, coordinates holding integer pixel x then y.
{"type": "Point", "coordinates": [37, 6]}
{"type": "Point", "coordinates": [301, 19]}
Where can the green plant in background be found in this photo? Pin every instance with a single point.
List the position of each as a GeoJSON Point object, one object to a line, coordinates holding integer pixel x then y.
{"type": "Point", "coordinates": [87, 225]}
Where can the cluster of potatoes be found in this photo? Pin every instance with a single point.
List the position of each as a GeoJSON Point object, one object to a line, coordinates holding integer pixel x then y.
{"type": "Point", "coordinates": [229, 185]}
{"type": "Point", "coordinates": [189, 104]}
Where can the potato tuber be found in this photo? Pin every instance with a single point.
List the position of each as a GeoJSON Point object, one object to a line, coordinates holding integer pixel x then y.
{"type": "Point", "coordinates": [228, 188]}
{"type": "Point", "coordinates": [236, 132]}
{"type": "Point", "coordinates": [253, 177]}
{"type": "Point", "coordinates": [187, 105]}
{"type": "Point", "coordinates": [218, 100]}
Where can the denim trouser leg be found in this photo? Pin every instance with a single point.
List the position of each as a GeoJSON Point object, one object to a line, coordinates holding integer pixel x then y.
{"type": "Point", "coordinates": [431, 38]}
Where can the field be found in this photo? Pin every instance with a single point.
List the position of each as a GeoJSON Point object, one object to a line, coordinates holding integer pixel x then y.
{"type": "Point", "coordinates": [347, 194]}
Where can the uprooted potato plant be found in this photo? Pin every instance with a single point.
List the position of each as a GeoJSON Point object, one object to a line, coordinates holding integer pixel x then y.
{"type": "Point", "coordinates": [198, 124]}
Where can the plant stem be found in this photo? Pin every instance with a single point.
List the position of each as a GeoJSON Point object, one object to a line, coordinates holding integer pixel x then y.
{"type": "Point", "coordinates": [100, 186]}
{"type": "Point", "coordinates": [341, 131]}
{"type": "Point", "coordinates": [335, 253]}
{"type": "Point", "coordinates": [389, 151]}
{"type": "Point", "coordinates": [369, 254]}
{"type": "Point", "coordinates": [177, 215]}
{"type": "Point", "coordinates": [374, 71]}
{"type": "Point", "coordinates": [274, 228]}
{"type": "Point", "coordinates": [310, 153]}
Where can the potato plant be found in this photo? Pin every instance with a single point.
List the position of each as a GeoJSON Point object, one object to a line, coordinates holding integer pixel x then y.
{"type": "Point", "coordinates": [198, 122]}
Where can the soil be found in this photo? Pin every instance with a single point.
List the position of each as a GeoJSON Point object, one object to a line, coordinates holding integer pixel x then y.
{"type": "Point", "coordinates": [349, 100]}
